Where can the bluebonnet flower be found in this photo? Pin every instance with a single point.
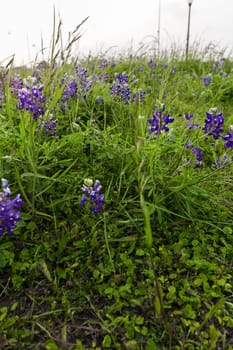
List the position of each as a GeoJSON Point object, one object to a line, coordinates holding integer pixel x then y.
{"type": "Point", "coordinates": [99, 100]}
{"type": "Point", "coordinates": [70, 88]}
{"type": "Point", "coordinates": [32, 100]}
{"type": "Point", "coordinates": [222, 161]}
{"type": "Point", "coordinates": [214, 68]}
{"type": "Point", "coordinates": [188, 116]}
{"type": "Point", "coordinates": [188, 144]}
{"type": "Point", "coordinates": [223, 74]}
{"type": "Point", "coordinates": [196, 150]}
{"type": "Point", "coordinates": [30, 96]}
{"type": "Point", "coordinates": [121, 78]}
{"type": "Point", "coordinates": [84, 83]}
{"type": "Point", "coordinates": [103, 64]}
{"type": "Point", "coordinates": [195, 126]}
{"type": "Point", "coordinates": [228, 138]}
{"type": "Point", "coordinates": [49, 126]}
{"type": "Point", "coordinates": [125, 93]}
{"type": "Point", "coordinates": [120, 88]}
{"type": "Point", "coordinates": [115, 89]}
{"type": "Point", "coordinates": [139, 96]}
{"type": "Point", "coordinates": [92, 195]}
{"type": "Point", "coordinates": [16, 83]}
{"type": "Point", "coordinates": [213, 123]}
{"type": "Point", "coordinates": [103, 77]}
{"type": "Point", "coordinates": [159, 121]}
{"type": "Point", "coordinates": [81, 73]}
{"type": "Point", "coordinates": [152, 64]}
{"type": "Point", "coordinates": [9, 213]}
{"type": "Point", "coordinates": [189, 124]}
{"type": "Point", "coordinates": [198, 153]}
{"type": "Point", "coordinates": [221, 63]}
{"type": "Point", "coordinates": [206, 80]}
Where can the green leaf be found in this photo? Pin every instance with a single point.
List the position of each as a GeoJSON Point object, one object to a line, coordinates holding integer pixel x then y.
{"type": "Point", "coordinates": [140, 252]}
{"type": "Point", "coordinates": [3, 313]}
{"type": "Point", "coordinates": [51, 345]}
{"type": "Point", "coordinates": [107, 341]}
{"type": "Point", "coordinates": [151, 345]}
{"type": "Point", "coordinates": [227, 230]}
{"type": "Point", "coordinates": [158, 305]}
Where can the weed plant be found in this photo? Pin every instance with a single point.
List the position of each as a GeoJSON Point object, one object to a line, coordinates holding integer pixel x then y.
{"type": "Point", "coordinates": [122, 235]}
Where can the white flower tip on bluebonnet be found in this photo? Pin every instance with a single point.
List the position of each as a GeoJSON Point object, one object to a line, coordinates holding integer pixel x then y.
{"type": "Point", "coordinates": [97, 186]}
{"type": "Point", "coordinates": [88, 182]}
{"type": "Point", "coordinates": [4, 182]}
{"type": "Point", "coordinates": [5, 187]}
{"type": "Point", "coordinates": [213, 110]}
{"type": "Point", "coordinates": [29, 81]}
{"type": "Point", "coordinates": [231, 127]}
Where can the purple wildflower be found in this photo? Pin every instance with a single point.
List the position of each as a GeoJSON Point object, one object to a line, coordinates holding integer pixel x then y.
{"type": "Point", "coordinates": [70, 89]}
{"type": "Point", "coordinates": [221, 63]}
{"type": "Point", "coordinates": [16, 83]}
{"type": "Point", "coordinates": [214, 68]}
{"type": "Point", "coordinates": [159, 121]}
{"type": "Point", "coordinates": [30, 96]}
{"type": "Point", "coordinates": [125, 93]}
{"type": "Point", "coordinates": [103, 64]}
{"type": "Point", "coordinates": [206, 80]}
{"type": "Point", "coordinates": [92, 195]}
{"type": "Point", "coordinates": [193, 126]}
{"type": "Point", "coordinates": [213, 123]}
{"type": "Point", "coordinates": [49, 126]}
{"type": "Point", "coordinates": [121, 89]}
{"type": "Point", "coordinates": [197, 152]}
{"type": "Point", "coordinates": [222, 161]}
{"type": "Point", "coordinates": [99, 100]}
{"type": "Point", "coordinates": [188, 116]}
{"type": "Point", "coordinates": [103, 77]}
{"type": "Point", "coordinates": [189, 124]}
{"type": "Point", "coordinates": [228, 138]}
{"type": "Point", "coordinates": [31, 99]}
{"type": "Point", "coordinates": [81, 73]}
{"type": "Point", "coordinates": [9, 213]}
{"type": "Point", "coordinates": [152, 64]}
{"type": "Point", "coordinates": [139, 96]}
{"type": "Point", "coordinates": [84, 82]}
{"type": "Point", "coordinates": [121, 78]}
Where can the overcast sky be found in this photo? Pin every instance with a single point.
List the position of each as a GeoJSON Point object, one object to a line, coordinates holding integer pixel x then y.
{"type": "Point", "coordinates": [116, 24]}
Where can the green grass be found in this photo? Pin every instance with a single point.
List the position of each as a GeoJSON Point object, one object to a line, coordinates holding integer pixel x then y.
{"type": "Point", "coordinates": [154, 269]}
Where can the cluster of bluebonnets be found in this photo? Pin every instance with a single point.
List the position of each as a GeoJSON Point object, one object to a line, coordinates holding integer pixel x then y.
{"type": "Point", "coordinates": [78, 85]}
{"type": "Point", "coordinates": [159, 121]}
{"type": "Point", "coordinates": [120, 89]}
{"type": "Point", "coordinates": [214, 128]}
{"type": "Point", "coordinates": [123, 88]}
{"type": "Point", "coordinates": [29, 95]}
{"type": "Point", "coordinates": [9, 209]}
{"type": "Point", "coordinates": [92, 196]}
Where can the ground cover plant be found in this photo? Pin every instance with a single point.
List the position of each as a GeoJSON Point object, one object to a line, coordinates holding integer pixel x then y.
{"type": "Point", "coordinates": [116, 203]}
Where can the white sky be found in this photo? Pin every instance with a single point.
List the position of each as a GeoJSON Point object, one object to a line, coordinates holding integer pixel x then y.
{"type": "Point", "coordinates": [121, 24]}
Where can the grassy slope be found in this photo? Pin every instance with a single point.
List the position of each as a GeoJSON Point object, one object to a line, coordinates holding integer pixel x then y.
{"type": "Point", "coordinates": [154, 271]}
